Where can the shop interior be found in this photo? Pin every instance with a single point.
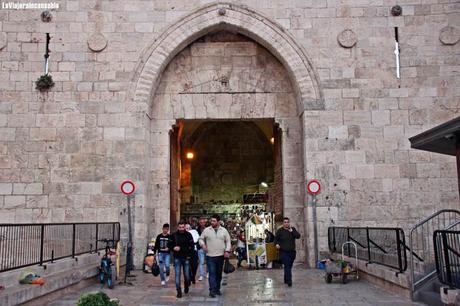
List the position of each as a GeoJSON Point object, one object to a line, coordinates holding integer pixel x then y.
{"type": "Point", "coordinates": [233, 169]}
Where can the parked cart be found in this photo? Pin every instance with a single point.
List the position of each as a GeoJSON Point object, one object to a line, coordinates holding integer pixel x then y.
{"type": "Point", "coordinates": [342, 269]}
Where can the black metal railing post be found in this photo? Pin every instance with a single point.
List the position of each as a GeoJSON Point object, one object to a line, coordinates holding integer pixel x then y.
{"type": "Point", "coordinates": [368, 245]}
{"type": "Point", "coordinates": [73, 240]}
{"type": "Point", "coordinates": [403, 251]}
{"type": "Point", "coordinates": [398, 250]}
{"type": "Point", "coordinates": [97, 235]}
{"type": "Point", "coordinates": [446, 257]}
{"type": "Point", "coordinates": [348, 239]}
{"type": "Point", "coordinates": [42, 240]}
{"type": "Point", "coordinates": [333, 239]}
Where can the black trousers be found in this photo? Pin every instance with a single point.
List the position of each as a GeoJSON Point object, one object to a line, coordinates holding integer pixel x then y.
{"type": "Point", "coordinates": [193, 266]}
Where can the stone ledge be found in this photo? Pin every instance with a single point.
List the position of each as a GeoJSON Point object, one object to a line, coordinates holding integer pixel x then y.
{"type": "Point", "coordinates": [57, 275]}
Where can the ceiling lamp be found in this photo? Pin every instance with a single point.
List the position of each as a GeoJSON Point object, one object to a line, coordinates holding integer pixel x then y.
{"type": "Point", "coordinates": [190, 155]}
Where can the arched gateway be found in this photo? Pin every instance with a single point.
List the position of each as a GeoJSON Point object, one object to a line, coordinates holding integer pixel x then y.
{"type": "Point", "coordinates": [266, 76]}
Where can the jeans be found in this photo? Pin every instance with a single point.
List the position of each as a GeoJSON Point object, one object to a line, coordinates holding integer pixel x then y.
{"type": "Point", "coordinates": [201, 255]}
{"type": "Point", "coordinates": [215, 266]}
{"type": "Point", "coordinates": [287, 258]}
{"type": "Point", "coordinates": [164, 259]}
{"type": "Point", "coordinates": [241, 255]}
{"type": "Point", "coordinates": [180, 262]}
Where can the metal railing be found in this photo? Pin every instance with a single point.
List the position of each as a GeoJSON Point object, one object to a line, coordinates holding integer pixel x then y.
{"type": "Point", "coordinates": [23, 245]}
{"type": "Point", "coordinates": [422, 259]}
{"type": "Point", "coordinates": [447, 256]}
{"type": "Point", "coordinates": [381, 245]}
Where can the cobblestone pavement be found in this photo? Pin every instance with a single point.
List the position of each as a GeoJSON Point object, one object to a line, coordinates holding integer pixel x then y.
{"type": "Point", "coordinates": [254, 287]}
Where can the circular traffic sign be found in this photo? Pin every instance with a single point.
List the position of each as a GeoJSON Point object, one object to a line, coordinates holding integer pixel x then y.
{"type": "Point", "coordinates": [314, 187]}
{"type": "Point", "coordinates": [127, 187]}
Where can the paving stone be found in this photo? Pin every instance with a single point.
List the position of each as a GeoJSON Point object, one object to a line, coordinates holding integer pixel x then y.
{"type": "Point", "coordinates": [250, 287]}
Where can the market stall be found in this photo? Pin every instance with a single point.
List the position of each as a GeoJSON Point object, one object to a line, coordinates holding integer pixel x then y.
{"type": "Point", "coordinates": [259, 252]}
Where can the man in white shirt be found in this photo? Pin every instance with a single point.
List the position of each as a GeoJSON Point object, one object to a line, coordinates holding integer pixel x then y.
{"type": "Point", "coordinates": [216, 243]}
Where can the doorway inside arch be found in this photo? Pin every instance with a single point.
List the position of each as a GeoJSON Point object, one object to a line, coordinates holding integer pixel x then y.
{"type": "Point", "coordinates": [227, 167]}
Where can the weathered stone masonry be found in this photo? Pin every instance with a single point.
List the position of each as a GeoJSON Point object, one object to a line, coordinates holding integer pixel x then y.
{"type": "Point", "coordinates": [346, 121]}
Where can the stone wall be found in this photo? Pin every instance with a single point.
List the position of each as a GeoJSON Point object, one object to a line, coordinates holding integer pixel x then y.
{"type": "Point", "coordinates": [63, 153]}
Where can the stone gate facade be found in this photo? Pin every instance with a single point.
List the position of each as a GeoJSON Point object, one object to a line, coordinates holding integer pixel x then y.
{"type": "Point", "coordinates": [125, 72]}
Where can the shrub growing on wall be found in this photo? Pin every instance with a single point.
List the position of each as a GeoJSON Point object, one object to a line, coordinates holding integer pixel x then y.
{"type": "Point", "coordinates": [44, 82]}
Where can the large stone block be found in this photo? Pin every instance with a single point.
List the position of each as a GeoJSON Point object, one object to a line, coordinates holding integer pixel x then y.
{"type": "Point", "coordinates": [43, 134]}
{"type": "Point", "coordinates": [14, 202]}
{"type": "Point", "coordinates": [34, 188]}
{"type": "Point", "coordinates": [113, 133]}
{"type": "Point", "coordinates": [37, 201]}
{"type": "Point", "coordinates": [6, 188]}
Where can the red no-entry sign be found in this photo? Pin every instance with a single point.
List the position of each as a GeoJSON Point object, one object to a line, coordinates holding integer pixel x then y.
{"type": "Point", "coordinates": [313, 187]}
{"type": "Point", "coordinates": [127, 187]}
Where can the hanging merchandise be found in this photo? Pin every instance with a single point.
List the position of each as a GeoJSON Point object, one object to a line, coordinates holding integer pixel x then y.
{"type": "Point", "coordinates": [255, 236]}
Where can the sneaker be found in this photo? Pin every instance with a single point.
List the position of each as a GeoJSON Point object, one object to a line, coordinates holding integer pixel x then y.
{"type": "Point", "coordinates": [186, 290]}
{"type": "Point", "coordinates": [212, 295]}
{"type": "Point", "coordinates": [163, 283]}
{"type": "Point", "coordinates": [200, 278]}
{"type": "Point", "coordinates": [179, 294]}
{"type": "Point", "coordinates": [167, 278]}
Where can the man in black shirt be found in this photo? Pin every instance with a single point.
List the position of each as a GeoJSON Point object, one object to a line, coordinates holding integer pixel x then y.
{"type": "Point", "coordinates": [285, 243]}
{"type": "Point", "coordinates": [164, 253]}
{"type": "Point", "coordinates": [183, 247]}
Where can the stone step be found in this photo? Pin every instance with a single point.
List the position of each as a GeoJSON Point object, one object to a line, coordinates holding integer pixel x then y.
{"type": "Point", "coordinates": [430, 298]}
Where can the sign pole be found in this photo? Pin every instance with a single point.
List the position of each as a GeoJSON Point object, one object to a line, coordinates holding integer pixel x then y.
{"type": "Point", "coordinates": [127, 188]}
{"type": "Point", "coordinates": [315, 229]}
{"type": "Point", "coordinates": [129, 248]}
{"type": "Point", "coordinates": [314, 188]}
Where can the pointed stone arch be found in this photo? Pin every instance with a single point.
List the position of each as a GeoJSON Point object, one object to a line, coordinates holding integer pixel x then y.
{"type": "Point", "coordinates": [239, 18]}
{"type": "Point", "coordinates": [159, 136]}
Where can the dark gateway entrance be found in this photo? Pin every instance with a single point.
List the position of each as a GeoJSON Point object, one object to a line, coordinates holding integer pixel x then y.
{"type": "Point", "coordinates": [232, 168]}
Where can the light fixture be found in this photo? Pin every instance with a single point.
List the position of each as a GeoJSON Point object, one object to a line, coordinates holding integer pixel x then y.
{"type": "Point", "coordinates": [263, 184]}
{"type": "Point", "coordinates": [272, 140]}
{"type": "Point", "coordinates": [190, 155]}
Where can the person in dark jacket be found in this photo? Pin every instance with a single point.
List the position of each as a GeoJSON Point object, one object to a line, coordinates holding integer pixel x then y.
{"type": "Point", "coordinates": [183, 247]}
{"type": "Point", "coordinates": [164, 253]}
{"type": "Point", "coordinates": [269, 237]}
{"type": "Point", "coordinates": [285, 243]}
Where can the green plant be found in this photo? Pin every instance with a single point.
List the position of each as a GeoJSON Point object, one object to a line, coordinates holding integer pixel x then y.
{"type": "Point", "coordinates": [44, 82]}
{"type": "Point", "coordinates": [96, 299]}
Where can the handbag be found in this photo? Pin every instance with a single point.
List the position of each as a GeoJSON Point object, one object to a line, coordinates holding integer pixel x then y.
{"type": "Point", "coordinates": [155, 269]}
{"type": "Point", "coordinates": [228, 267]}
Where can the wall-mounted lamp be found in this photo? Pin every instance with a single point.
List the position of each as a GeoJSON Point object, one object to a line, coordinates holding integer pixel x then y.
{"type": "Point", "coordinates": [190, 155]}
{"type": "Point", "coordinates": [272, 140]}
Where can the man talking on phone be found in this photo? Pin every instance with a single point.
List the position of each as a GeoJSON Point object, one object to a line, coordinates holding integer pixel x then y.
{"type": "Point", "coordinates": [285, 243]}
